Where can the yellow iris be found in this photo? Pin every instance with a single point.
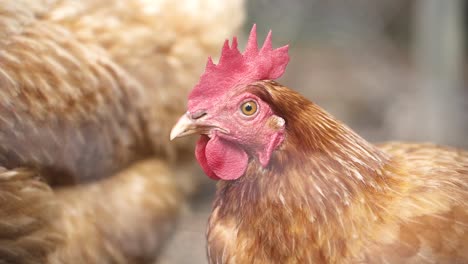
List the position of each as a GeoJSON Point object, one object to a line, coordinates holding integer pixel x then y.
{"type": "Point", "coordinates": [249, 108]}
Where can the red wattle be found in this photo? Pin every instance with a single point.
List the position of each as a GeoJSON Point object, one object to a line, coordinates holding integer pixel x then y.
{"type": "Point", "coordinates": [201, 157]}
{"type": "Point", "coordinates": [221, 159]}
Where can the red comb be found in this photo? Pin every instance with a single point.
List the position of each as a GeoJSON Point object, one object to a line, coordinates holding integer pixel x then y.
{"type": "Point", "coordinates": [235, 68]}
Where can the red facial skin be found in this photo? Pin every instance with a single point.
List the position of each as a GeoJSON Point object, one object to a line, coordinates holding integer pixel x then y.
{"type": "Point", "coordinates": [225, 151]}
{"type": "Point", "coordinates": [216, 100]}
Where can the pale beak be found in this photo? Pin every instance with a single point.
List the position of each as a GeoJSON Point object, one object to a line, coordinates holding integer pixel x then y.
{"type": "Point", "coordinates": [184, 127]}
{"type": "Point", "coordinates": [188, 126]}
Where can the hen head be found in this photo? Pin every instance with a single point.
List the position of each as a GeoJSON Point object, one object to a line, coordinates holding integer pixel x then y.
{"type": "Point", "coordinates": [227, 109]}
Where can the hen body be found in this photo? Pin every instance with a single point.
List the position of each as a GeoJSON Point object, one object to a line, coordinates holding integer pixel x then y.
{"type": "Point", "coordinates": [329, 196]}
{"type": "Point", "coordinates": [88, 91]}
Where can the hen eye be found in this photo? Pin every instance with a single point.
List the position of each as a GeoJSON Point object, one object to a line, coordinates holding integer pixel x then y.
{"type": "Point", "coordinates": [249, 108]}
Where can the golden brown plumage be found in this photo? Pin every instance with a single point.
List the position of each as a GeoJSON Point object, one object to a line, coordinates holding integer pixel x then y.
{"type": "Point", "coordinates": [27, 208]}
{"type": "Point", "coordinates": [328, 196]}
{"type": "Point", "coordinates": [88, 91]}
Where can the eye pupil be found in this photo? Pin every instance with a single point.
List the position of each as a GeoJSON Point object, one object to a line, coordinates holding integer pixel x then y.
{"type": "Point", "coordinates": [248, 108]}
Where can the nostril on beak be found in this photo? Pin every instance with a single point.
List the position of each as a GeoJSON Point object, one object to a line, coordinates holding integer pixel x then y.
{"type": "Point", "coordinates": [198, 114]}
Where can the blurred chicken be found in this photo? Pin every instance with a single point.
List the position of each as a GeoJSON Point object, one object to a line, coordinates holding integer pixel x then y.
{"type": "Point", "coordinates": [298, 186]}
{"type": "Point", "coordinates": [88, 91]}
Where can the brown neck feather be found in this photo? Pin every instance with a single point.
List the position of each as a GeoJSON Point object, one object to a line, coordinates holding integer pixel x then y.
{"type": "Point", "coordinates": [321, 170]}
{"type": "Point", "coordinates": [322, 191]}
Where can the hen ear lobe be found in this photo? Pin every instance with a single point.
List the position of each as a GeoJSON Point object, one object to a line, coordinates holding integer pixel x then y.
{"type": "Point", "coordinates": [277, 123]}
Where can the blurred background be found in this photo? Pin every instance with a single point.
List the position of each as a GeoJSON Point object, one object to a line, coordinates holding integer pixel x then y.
{"type": "Point", "coordinates": [390, 69]}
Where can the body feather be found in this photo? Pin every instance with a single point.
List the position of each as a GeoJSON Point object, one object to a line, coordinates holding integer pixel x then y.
{"type": "Point", "coordinates": [329, 196]}
{"type": "Point", "coordinates": [88, 91]}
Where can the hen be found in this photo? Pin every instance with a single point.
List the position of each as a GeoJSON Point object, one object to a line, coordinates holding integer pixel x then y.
{"type": "Point", "coordinates": [298, 186]}
{"type": "Point", "coordinates": [88, 93]}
